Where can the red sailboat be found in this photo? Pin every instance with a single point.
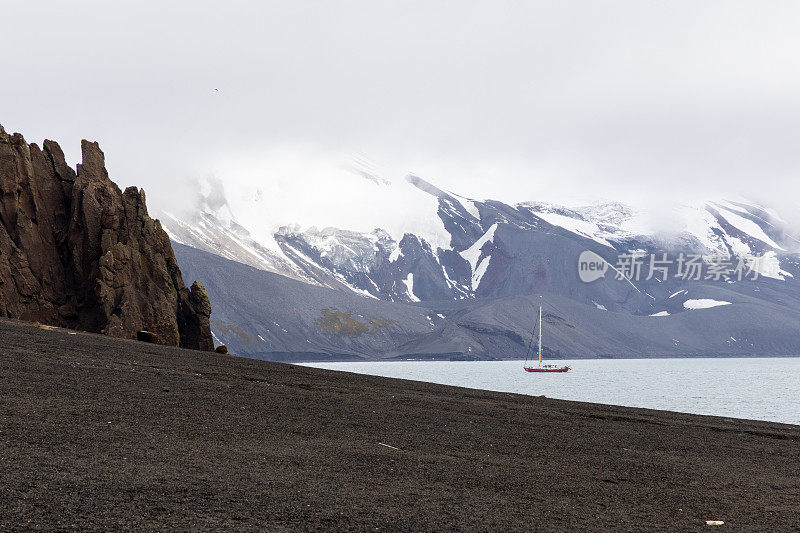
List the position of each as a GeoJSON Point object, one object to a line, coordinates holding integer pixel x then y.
{"type": "Point", "coordinates": [543, 367]}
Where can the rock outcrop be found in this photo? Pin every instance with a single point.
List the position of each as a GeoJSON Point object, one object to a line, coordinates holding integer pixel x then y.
{"type": "Point", "coordinates": [77, 252]}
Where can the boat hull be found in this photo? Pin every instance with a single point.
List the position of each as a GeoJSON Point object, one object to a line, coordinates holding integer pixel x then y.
{"type": "Point", "coordinates": [537, 369]}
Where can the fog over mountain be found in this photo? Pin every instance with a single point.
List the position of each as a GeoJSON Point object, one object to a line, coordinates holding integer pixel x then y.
{"type": "Point", "coordinates": [647, 103]}
{"type": "Point", "coordinates": [439, 275]}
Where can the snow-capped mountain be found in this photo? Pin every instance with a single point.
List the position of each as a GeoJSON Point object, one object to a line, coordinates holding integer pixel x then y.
{"type": "Point", "coordinates": [488, 259]}
{"type": "Point", "coordinates": [393, 264]}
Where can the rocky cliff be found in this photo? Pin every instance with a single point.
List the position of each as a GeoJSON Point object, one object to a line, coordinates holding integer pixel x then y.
{"type": "Point", "coordinates": [77, 252]}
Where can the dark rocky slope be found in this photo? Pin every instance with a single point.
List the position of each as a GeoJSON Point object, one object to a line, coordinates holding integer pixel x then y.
{"type": "Point", "coordinates": [77, 252]}
{"type": "Point", "coordinates": [101, 434]}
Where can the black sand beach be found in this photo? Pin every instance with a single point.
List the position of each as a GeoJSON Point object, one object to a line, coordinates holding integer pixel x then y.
{"type": "Point", "coordinates": [104, 434]}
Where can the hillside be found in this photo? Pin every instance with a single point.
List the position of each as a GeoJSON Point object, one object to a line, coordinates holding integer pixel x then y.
{"type": "Point", "coordinates": [269, 316]}
{"type": "Point", "coordinates": [106, 434]}
{"type": "Point", "coordinates": [721, 278]}
{"type": "Point", "coordinates": [423, 243]}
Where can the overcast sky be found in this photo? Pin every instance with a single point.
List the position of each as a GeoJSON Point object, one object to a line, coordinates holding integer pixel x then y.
{"type": "Point", "coordinates": [512, 100]}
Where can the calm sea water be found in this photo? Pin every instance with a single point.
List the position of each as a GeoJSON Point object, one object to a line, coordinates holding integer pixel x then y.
{"type": "Point", "coordinates": [758, 389]}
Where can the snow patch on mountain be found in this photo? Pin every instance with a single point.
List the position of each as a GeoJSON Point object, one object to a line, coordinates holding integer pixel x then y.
{"type": "Point", "coordinates": [738, 247]}
{"type": "Point", "coordinates": [351, 197]}
{"type": "Point", "coordinates": [584, 228]}
{"type": "Point", "coordinates": [701, 224]}
{"type": "Point", "coordinates": [703, 303]}
{"type": "Point", "coordinates": [409, 283]}
{"type": "Point", "coordinates": [477, 275]}
{"type": "Point", "coordinates": [768, 265]}
{"type": "Point", "coordinates": [473, 253]}
{"type": "Point", "coordinates": [469, 205]}
{"type": "Point", "coordinates": [231, 241]}
{"type": "Point", "coordinates": [747, 226]}
{"type": "Point", "coordinates": [473, 256]}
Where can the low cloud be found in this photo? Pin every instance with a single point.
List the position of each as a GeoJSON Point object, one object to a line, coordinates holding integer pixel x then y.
{"type": "Point", "coordinates": [641, 102]}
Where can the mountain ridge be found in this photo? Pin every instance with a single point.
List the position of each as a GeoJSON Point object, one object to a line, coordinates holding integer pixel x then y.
{"type": "Point", "coordinates": [501, 257]}
{"type": "Point", "coordinates": [269, 316]}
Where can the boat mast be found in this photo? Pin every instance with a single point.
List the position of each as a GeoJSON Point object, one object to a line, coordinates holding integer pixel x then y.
{"type": "Point", "coordinates": [540, 335]}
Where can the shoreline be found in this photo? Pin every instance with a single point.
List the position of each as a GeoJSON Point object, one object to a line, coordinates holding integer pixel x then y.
{"type": "Point", "coordinates": [558, 359]}
{"type": "Point", "coordinates": [597, 383]}
{"type": "Point", "coordinates": [101, 433]}
{"type": "Point", "coordinates": [644, 357]}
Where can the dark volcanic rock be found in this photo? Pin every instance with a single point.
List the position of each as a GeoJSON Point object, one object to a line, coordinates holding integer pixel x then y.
{"type": "Point", "coordinates": [194, 318]}
{"type": "Point", "coordinates": [77, 252]}
{"type": "Point", "coordinates": [208, 443]}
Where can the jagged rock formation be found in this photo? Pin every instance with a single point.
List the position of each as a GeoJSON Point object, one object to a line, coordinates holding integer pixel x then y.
{"type": "Point", "coordinates": [77, 252]}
